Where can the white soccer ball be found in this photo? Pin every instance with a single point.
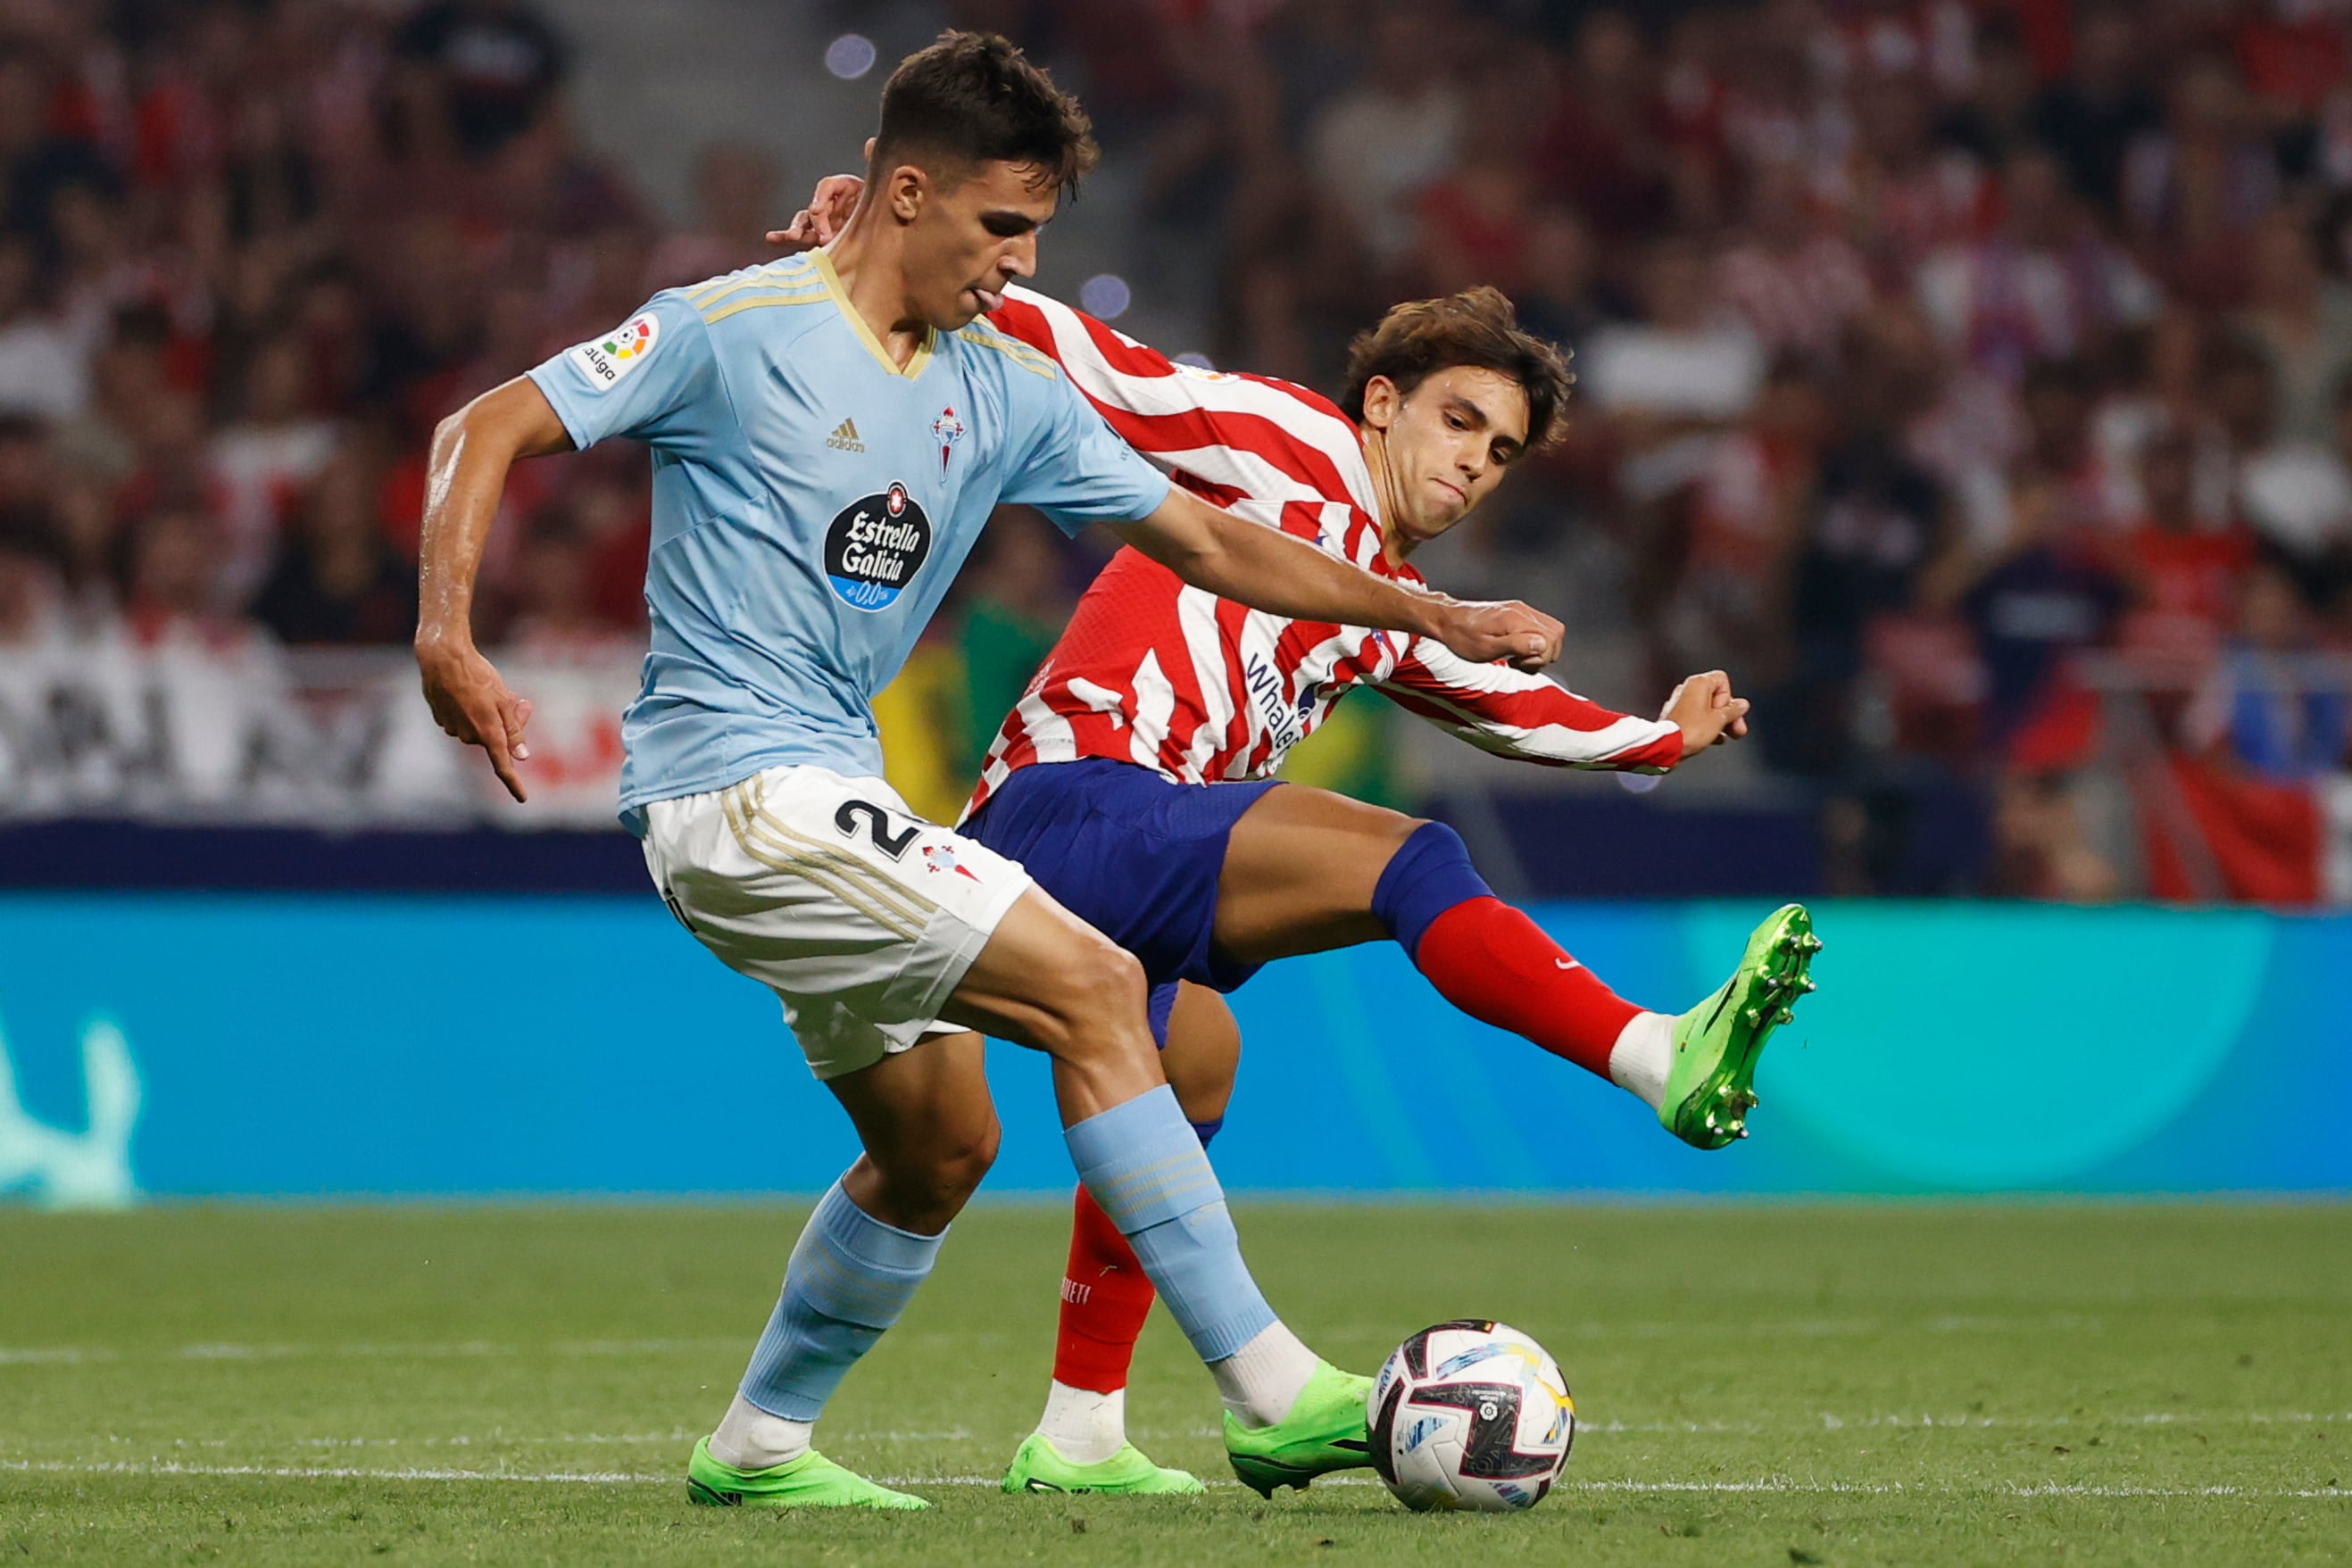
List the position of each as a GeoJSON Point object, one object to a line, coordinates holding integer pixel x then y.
{"type": "Point", "coordinates": [1470, 1414]}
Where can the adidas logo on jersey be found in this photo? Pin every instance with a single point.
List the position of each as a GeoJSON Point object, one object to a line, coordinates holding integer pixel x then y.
{"type": "Point", "coordinates": [845, 437]}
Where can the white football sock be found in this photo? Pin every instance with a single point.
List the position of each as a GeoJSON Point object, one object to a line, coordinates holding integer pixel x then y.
{"type": "Point", "coordinates": [1644, 1053]}
{"type": "Point", "coordinates": [1085, 1428]}
{"type": "Point", "coordinates": [1261, 1381]}
{"type": "Point", "coordinates": [749, 1438]}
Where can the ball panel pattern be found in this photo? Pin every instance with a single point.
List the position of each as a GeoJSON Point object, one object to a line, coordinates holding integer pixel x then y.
{"type": "Point", "coordinates": [1470, 1413]}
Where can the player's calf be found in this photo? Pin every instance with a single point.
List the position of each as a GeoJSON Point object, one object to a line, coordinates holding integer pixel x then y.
{"type": "Point", "coordinates": [1492, 961]}
{"type": "Point", "coordinates": [850, 1277]}
{"type": "Point", "coordinates": [1495, 964]}
{"type": "Point", "coordinates": [930, 1131]}
{"type": "Point", "coordinates": [1080, 1443]}
{"type": "Point", "coordinates": [1070, 992]}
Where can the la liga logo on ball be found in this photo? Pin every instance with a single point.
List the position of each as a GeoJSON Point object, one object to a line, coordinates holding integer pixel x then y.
{"type": "Point", "coordinates": [875, 546]}
{"type": "Point", "coordinates": [1470, 1414]}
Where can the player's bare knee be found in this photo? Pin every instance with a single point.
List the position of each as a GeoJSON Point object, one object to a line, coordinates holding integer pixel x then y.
{"type": "Point", "coordinates": [1098, 988]}
{"type": "Point", "coordinates": [965, 1161]}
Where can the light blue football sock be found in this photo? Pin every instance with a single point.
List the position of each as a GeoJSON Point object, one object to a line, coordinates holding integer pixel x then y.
{"type": "Point", "coordinates": [849, 1278]}
{"type": "Point", "coordinates": [1144, 1164]}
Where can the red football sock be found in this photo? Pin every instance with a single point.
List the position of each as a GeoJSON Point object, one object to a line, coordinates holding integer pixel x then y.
{"type": "Point", "coordinates": [1496, 964]}
{"type": "Point", "coordinates": [1105, 1299]}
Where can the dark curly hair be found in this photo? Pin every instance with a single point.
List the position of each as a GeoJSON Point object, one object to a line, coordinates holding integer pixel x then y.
{"type": "Point", "coordinates": [971, 99]}
{"type": "Point", "coordinates": [1476, 326]}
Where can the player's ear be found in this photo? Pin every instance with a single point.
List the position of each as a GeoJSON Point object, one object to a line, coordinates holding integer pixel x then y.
{"type": "Point", "coordinates": [906, 188]}
{"type": "Point", "coordinates": [1381, 400]}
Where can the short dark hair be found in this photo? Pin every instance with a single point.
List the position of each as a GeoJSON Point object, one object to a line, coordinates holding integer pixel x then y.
{"type": "Point", "coordinates": [1476, 326]}
{"type": "Point", "coordinates": [972, 98]}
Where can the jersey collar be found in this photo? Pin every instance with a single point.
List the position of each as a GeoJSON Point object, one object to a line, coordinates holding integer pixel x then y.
{"type": "Point", "coordinates": [923, 355]}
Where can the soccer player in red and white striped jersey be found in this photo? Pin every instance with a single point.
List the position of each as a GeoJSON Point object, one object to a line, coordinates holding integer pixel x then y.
{"type": "Point", "coordinates": [1133, 779]}
{"type": "Point", "coordinates": [1202, 689]}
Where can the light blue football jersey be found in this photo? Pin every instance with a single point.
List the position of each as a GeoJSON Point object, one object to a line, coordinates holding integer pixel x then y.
{"type": "Point", "coordinates": [811, 503]}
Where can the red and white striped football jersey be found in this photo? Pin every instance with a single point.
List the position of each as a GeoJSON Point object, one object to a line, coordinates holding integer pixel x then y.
{"type": "Point", "coordinates": [1156, 671]}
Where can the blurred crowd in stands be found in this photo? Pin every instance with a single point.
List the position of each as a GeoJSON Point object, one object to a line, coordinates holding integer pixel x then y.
{"type": "Point", "coordinates": [1943, 364]}
{"type": "Point", "coordinates": [251, 253]}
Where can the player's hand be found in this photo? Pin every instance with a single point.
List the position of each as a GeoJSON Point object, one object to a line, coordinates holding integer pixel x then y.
{"type": "Point", "coordinates": [1483, 631]}
{"type": "Point", "coordinates": [830, 205]}
{"type": "Point", "coordinates": [471, 703]}
{"type": "Point", "coordinates": [1706, 712]}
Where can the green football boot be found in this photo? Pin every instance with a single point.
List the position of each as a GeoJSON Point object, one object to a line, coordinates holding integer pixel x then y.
{"type": "Point", "coordinates": [1039, 1466]}
{"type": "Point", "coordinates": [810, 1481]}
{"type": "Point", "coordinates": [1709, 1085]}
{"type": "Point", "coordinates": [1324, 1432]}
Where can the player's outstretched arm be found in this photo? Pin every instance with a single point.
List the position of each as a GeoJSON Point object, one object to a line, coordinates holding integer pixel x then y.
{"type": "Point", "coordinates": [1267, 570]}
{"type": "Point", "coordinates": [1532, 718]}
{"type": "Point", "coordinates": [472, 450]}
{"type": "Point", "coordinates": [1536, 720]}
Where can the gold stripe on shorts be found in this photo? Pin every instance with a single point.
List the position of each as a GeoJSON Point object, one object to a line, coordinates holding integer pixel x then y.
{"type": "Point", "coordinates": [791, 840]}
{"type": "Point", "coordinates": [815, 870]}
{"type": "Point", "coordinates": [812, 868]}
{"type": "Point", "coordinates": [814, 873]}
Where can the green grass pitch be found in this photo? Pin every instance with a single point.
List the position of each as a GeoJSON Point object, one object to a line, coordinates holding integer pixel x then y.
{"type": "Point", "coordinates": [1759, 1386]}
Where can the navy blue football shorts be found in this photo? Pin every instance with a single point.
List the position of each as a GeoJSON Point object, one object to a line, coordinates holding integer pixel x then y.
{"type": "Point", "coordinates": [1132, 855]}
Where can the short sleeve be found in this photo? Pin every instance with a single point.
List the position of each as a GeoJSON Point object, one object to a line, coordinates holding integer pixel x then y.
{"type": "Point", "coordinates": [1077, 471]}
{"type": "Point", "coordinates": [653, 376]}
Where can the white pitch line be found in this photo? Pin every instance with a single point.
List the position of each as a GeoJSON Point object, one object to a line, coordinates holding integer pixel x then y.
{"type": "Point", "coordinates": [1803, 1328]}
{"type": "Point", "coordinates": [1796, 1328]}
{"type": "Point", "coordinates": [335, 1472]}
{"type": "Point", "coordinates": [447, 1350]}
{"type": "Point", "coordinates": [1822, 1422]}
{"type": "Point", "coordinates": [77, 1355]}
{"type": "Point", "coordinates": [1738, 1489]}
{"type": "Point", "coordinates": [556, 1440]}
{"type": "Point", "coordinates": [1898, 1489]}
{"type": "Point", "coordinates": [1928, 1420]}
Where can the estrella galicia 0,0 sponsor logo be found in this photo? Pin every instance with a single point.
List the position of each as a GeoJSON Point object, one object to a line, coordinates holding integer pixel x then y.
{"type": "Point", "coordinates": [875, 546]}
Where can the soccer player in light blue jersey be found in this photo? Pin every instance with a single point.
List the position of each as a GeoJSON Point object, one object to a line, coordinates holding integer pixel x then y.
{"type": "Point", "coordinates": [829, 434]}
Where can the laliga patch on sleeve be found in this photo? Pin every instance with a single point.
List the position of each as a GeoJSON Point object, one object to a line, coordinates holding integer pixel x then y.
{"type": "Point", "coordinates": [605, 361]}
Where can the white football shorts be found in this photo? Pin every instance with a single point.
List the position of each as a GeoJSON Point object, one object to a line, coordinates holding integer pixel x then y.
{"type": "Point", "coordinates": [859, 915]}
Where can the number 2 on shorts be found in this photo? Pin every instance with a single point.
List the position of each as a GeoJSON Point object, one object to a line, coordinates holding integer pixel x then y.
{"type": "Point", "coordinates": [878, 826]}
